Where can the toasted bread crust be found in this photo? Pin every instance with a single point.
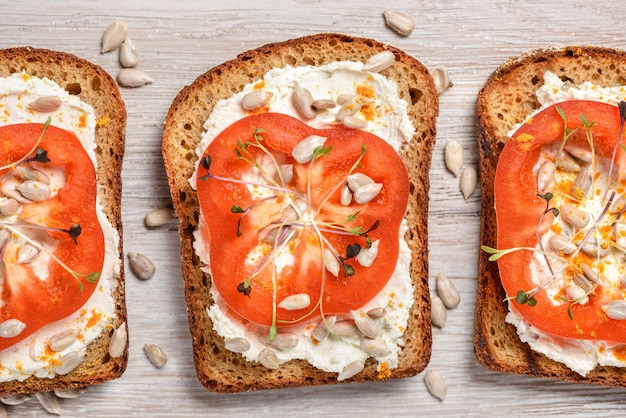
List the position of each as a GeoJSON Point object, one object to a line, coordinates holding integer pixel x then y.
{"type": "Point", "coordinates": [96, 87]}
{"type": "Point", "coordinates": [508, 98]}
{"type": "Point", "coordinates": [217, 368]}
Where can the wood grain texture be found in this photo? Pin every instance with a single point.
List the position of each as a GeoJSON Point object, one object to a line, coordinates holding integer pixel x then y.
{"type": "Point", "coordinates": [179, 40]}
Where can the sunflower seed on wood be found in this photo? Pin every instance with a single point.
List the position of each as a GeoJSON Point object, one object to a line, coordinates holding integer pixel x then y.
{"type": "Point", "coordinates": [256, 99]}
{"type": "Point", "coordinates": [367, 193]}
{"type": "Point", "coordinates": [141, 265]}
{"type": "Point", "coordinates": [379, 62]}
{"type": "Point", "coordinates": [117, 345]}
{"type": "Point", "coordinates": [441, 79]}
{"type": "Point", "coordinates": [377, 312]}
{"type": "Point", "coordinates": [3, 412]}
{"type": "Point", "coordinates": [26, 253]}
{"type": "Point", "coordinates": [374, 347]}
{"type": "Point", "coordinates": [321, 104]}
{"type": "Point", "coordinates": [132, 77]}
{"type": "Point", "coordinates": [269, 359]}
{"type": "Point", "coordinates": [62, 340]}
{"type": "Point", "coordinates": [303, 102]}
{"type": "Point", "coordinates": [350, 369]}
{"type": "Point", "coordinates": [8, 207]}
{"type": "Point", "coordinates": [303, 151]}
{"type": "Point", "coordinates": [128, 55]}
{"type": "Point", "coordinates": [399, 22]}
{"type": "Point", "coordinates": [469, 181]}
{"type": "Point", "coordinates": [49, 402]}
{"type": "Point", "coordinates": [45, 104]}
{"type": "Point", "coordinates": [282, 341]}
{"type": "Point", "coordinates": [447, 292]}
{"type": "Point", "coordinates": [323, 327]}
{"type": "Point", "coordinates": [37, 191]}
{"type": "Point", "coordinates": [438, 312]}
{"type": "Point", "coordinates": [237, 344]}
{"type": "Point", "coordinates": [158, 217]}
{"type": "Point", "coordinates": [367, 255]}
{"type": "Point", "coordinates": [113, 36]}
{"type": "Point", "coordinates": [435, 384]}
{"type": "Point", "coordinates": [295, 302]}
{"type": "Point", "coordinates": [11, 328]}
{"type": "Point", "coordinates": [365, 324]}
{"type": "Point", "coordinates": [453, 157]}
{"type": "Point", "coordinates": [16, 399]}
{"type": "Point", "coordinates": [69, 362]}
{"type": "Point", "coordinates": [70, 393]}
{"type": "Point", "coordinates": [155, 354]}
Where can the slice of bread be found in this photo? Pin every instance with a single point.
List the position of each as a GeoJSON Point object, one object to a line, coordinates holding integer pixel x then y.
{"type": "Point", "coordinates": [507, 99]}
{"type": "Point", "coordinates": [217, 368]}
{"type": "Point", "coordinates": [95, 87]}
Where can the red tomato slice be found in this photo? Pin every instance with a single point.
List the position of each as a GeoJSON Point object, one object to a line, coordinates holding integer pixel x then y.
{"type": "Point", "coordinates": [25, 297]}
{"type": "Point", "coordinates": [228, 252]}
{"type": "Point", "coordinates": [519, 209]}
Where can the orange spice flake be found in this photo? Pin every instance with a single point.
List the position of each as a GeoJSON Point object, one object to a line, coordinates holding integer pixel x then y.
{"type": "Point", "coordinates": [94, 319]}
{"type": "Point", "coordinates": [82, 121]}
{"type": "Point", "coordinates": [259, 85]}
{"type": "Point", "coordinates": [525, 141]}
{"type": "Point", "coordinates": [619, 352]}
{"type": "Point", "coordinates": [383, 371]}
{"type": "Point", "coordinates": [104, 120]}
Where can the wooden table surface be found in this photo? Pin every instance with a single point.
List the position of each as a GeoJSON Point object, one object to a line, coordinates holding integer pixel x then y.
{"type": "Point", "coordinates": [180, 39]}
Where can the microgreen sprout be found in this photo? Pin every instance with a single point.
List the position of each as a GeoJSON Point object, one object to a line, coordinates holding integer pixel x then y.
{"type": "Point", "coordinates": [41, 155]}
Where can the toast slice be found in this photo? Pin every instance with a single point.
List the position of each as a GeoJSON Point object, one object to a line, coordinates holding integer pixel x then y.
{"type": "Point", "coordinates": [95, 87]}
{"type": "Point", "coordinates": [217, 368]}
{"type": "Point", "coordinates": [507, 98]}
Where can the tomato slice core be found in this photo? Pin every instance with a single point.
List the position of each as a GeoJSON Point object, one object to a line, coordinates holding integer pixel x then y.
{"type": "Point", "coordinates": [32, 300]}
{"type": "Point", "coordinates": [519, 209]}
{"type": "Point", "coordinates": [299, 268]}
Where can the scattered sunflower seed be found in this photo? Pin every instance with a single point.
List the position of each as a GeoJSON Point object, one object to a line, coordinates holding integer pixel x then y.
{"type": "Point", "coordinates": [69, 362]}
{"type": "Point", "coordinates": [11, 328]}
{"type": "Point", "coordinates": [117, 345]}
{"type": "Point", "coordinates": [155, 354]}
{"type": "Point", "coordinates": [345, 328]}
{"type": "Point", "coordinates": [399, 22]}
{"type": "Point", "coordinates": [16, 399]}
{"type": "Point", "coordinates": [441, 79]}
{"type": "Point", "coordinates": [282, 341]}
{"type": "Point", "coordinates": [113, 36]}
{"type": "Point", "coordinates": [37, 191]}
{"type": "Point", "coordinates": [62, 340]}
{"type": "Point", "coordinates": [447, 292]}
{"type": "Point", "coordinates": [256, 99]}
{"type": "Point", "coordinates": [8, 207]}
{"type": "Point", "coordinates": [367, 255]}
{"type": "Point", "coordinates": [295, 302]}
{"type": "Point", "coordinates": [379, 62]}
{"type": "Point", "coordinates": [303, 102]}
{"type": "Point", "coordinates": [158, 217]}
{"type": "Point", "coordinates": [365, 324]}
{"type": "Point", "coordinates": [377, 312]}
{"type": "Point", "coordinates": [269, 359]}
{"type": "Point", "coordinates": [374, 347]}
{"type": "Point", "coordinates": [323, 104]}
{"type": "Point", "coordinates": [141, 265]}
{"type": "Point", "coordinates": [49, 402]}
{"type": "Point", "coordinates": [469, 181]}
{"type": "Point", "coordinates": [70, 393]}
{"type": "Point", "coordinates": [45, 104]}
{"type": "Point", "coordinates": [237, 344]}
{"type": "Point", "coordinates": [435, 384]}
{"type": "Point", "coordinates": [453, 156]}
{"type": "Point", "coordinates": [128, 55]}
{"type": "Point", "coordinates": [438, 312]}
{"type": "Point", "coordinates": [616, 309]}
{"type": "Point", "coordinates": [350, 370]}
{"type": "Point", "coordinates": [321, 330]}
{"type": "Point", "coordinates": [367, 193]}
{"type": "Point", "coordinates": [132, 77]}
{"type": "Point", "coordinates": [304, 150]}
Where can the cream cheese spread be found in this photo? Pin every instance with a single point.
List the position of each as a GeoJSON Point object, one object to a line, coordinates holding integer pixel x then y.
{"type": "Point", "coordinates": [581, 356]}
{"type": "Point", "coordinates": [32, 357]}
{"type": "Point", "coordinates": [390, 121]}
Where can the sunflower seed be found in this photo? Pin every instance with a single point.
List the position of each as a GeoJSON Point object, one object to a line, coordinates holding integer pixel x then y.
{"type": "Point", "coordinates": [256, 99]}
{"type": "Point", "coordinates": [30, 173]}
{"type": "Point", "coordinates": [129, 55]}
{"type": "Point", "coordinates": [567, 163]}
{"type": "Point", "coordinates": [594, 248]}
{"type": "Point", "coordinates": [3, 412]}
{"type": "Point", "coordinates": [584, 283]}
{"type": "Point", "coordinates": [453, 156]}
{"type": "Point", "coordinates": [399, 22]}
{"type": "Point", "coordinates": [155, 354]}
{"type": "Point", "coordinates": [367, 255]}
{"type": "Point", "coordinates": [295, 302]}
{"type": "Point", "coordinates": [45, 104]}
{"type": "Point", "coordinates": [579, 152]}
{"type": "Point", "coordinates": [367, 193]}
{"type": "Point", "coordinates": [132, 77]}
{"type": "Point", "coordinates": [357, 180]}
{"type": "Point", "coordinates": [616, 309]}
{"type": "Point", "coordinates": [346, 196]}
{"type": "Point", "coordinates": [350, 370]}
{"type": "Point", "coordinates": [8, 189]}
{"type": "Point", "coordinates": [582, 182]}
{"type": "Point", "coordinates": [37, 191]}
{"type": "Point", "coordinates": [441, 79]}
{"type": "Point", "coordinates": [377, 312]}
{"type": "Point", "coordinates": [365, 324]}
{"type": "Point", "coordinates": [590, 273]}
{"type": "Point", "coordinates": [545, 177]}
{"type": "Point", "coordinates": [321, 104]}
{"type": "Point", "coordinates": [158, 217]}
{"type": "Point", "coordinates": [8, 207]}
{"type": "Point", "coordinates": [282, 341]}
{"type": "Point", "coordinates": [117, 345]}
{"type": "Point", "coordinates": [344, 98]}
{"type": "Point", "coordinates": [574, 216]}
{"type": "Point", "coordinates": [350, 106]}
{"type": "Point", "coordinates": [374, 347]}
{"type": "Point", "coordinates": [70, 393]}
{"type": "Point", "coordinates": [321, 330]}
{"type": "Point", "coordinates": [447, 292]}
{"type": "Point", "coordinates": [269, 359]}
{"type": "Point", "coordinates": [469, 181]}
{"type": "Point", "coordinates": [49, 402]}
{"type": "Point", "coordinates": [438, 312]}
{"type": "Point", "coordinates": [435, 384]}
{"type": "Point", "coordinates": [303, 151]}
{"type": "Point", "coordinates": [353, 122]}
{"type": "Point", "coordinates": [379, 62]}
{"type": "Point", "coordinates": [619, 234]}
{"type": "Point", "coordinates": [331, 263]}
{"type": "Point", "coordinates": [69, 362]}
{"type": "Point", "coordinates": [558, 242]}
{"type": "Point", "coordinates": [16, 399]}
{"type": "Point", "coordinates": [11, 328]}
{"type": "Point", "coordinates": [303, 102]}
{"type": "Point", "coordinates": [345, 328]}
{"type": "Point", "coordinates": [62, 340]}
{"type": "Point", "coordinates": [26, 253]}
{"type": "Point", "coordinates": [113, 36]}
{"type": "Point", "coordinates": [237, 344]}
{"type": "Point", "coordinates": [141, 265]}
{"type": "Point", "coordinates": [286, 171]}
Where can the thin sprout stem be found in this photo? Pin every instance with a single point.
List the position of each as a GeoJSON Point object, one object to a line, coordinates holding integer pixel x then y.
{"type": "Point", "coordinates": [25, 156]}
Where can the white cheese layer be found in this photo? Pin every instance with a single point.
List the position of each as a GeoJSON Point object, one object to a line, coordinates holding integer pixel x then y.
{"type": "Point", "coordinates": [581, 356]}
{"type": "Point", "coordinates": [389, 121]}
{"type": "Point", "coordinates": [32, 357]}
